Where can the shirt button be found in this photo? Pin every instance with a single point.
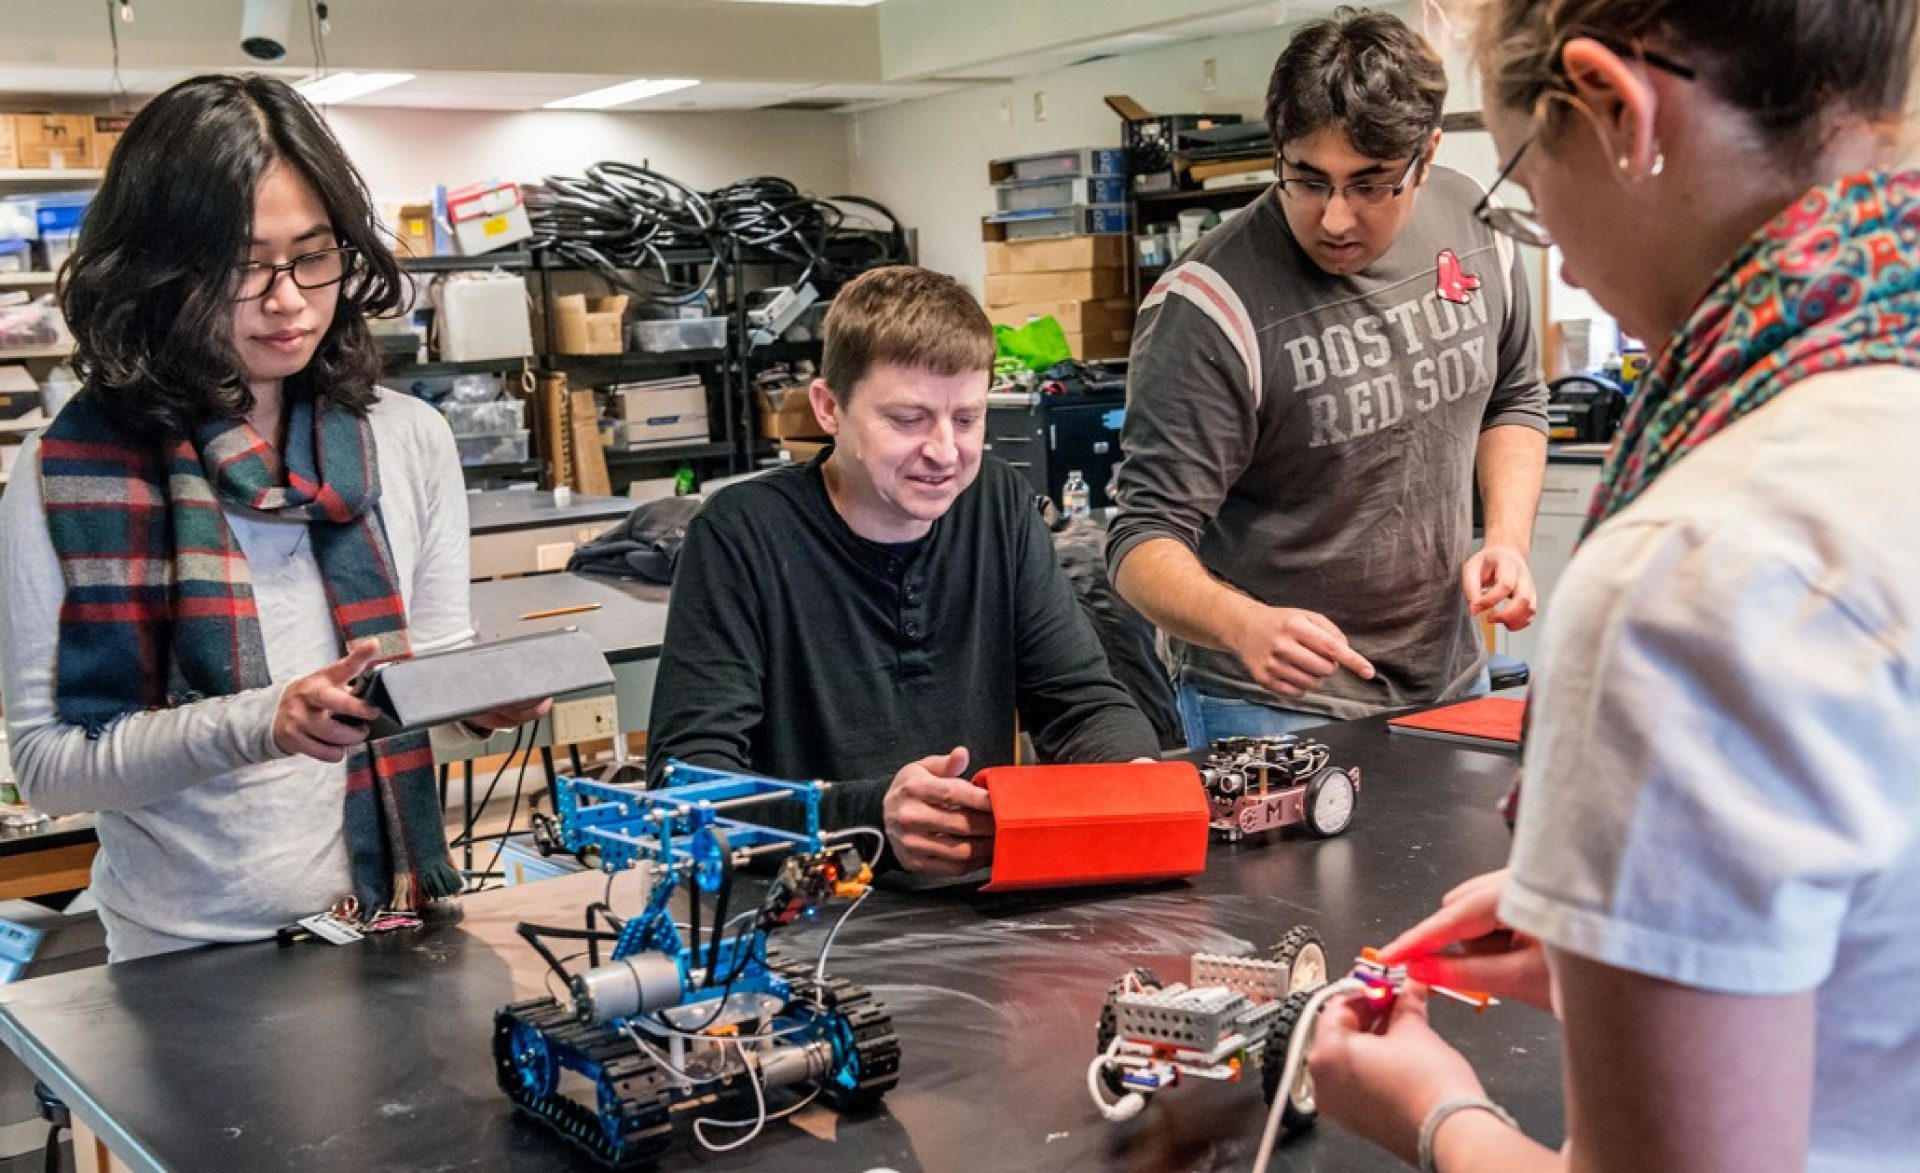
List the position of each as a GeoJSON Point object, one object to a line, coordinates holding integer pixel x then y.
{"type": "Point", "coordinates": [912, 630]}
{"type": "Point", "coordinates": [912, 594]}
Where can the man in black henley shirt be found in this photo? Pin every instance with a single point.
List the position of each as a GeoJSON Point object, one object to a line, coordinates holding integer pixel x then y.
{"type": "Point", "coordinates": [895, 600]}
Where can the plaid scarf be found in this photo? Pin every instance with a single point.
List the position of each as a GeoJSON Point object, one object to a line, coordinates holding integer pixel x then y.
{"type": "Point", "coordinates": [1830, 283]}
{"type": "Point", "coordinates": [1833, 282]}
{"type": "Point", "coordinates": [159, 608]}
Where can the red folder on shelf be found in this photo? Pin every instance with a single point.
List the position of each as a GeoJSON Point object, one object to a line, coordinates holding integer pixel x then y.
{"type": "Point", "coordinates": [1490, 721]}
{"type": "Point", "coordinates": [1056, 826]}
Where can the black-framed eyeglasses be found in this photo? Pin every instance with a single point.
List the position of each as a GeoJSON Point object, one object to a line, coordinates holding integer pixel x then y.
{"type": "Point", "coordinates": [1525, 224]}
{"type": "Point", "coordinates": [315, 270]}
{"type": "Point", "coordinates": [1318, 192]}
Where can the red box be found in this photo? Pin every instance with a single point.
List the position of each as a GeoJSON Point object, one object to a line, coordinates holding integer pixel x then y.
{"type": "Point", "coordinates": [1056, 826]}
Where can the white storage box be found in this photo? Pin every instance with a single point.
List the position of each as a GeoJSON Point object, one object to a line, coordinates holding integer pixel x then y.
{"type": "Point", "coordinates": [1061, 193]}
{"type": "Point", "coordinates": [484, 317]}
{"type": "Point", "coordinates": [667, 429]}
{"type": "Point", "coordinates": [487, 216]}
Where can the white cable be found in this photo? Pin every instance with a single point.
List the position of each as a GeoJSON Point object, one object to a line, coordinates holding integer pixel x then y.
{"type": "Point", "coordinates": [759, 1105]}
{"type": "Point", "coordinates": [820, 970]}
{"type": "Point", "coordinates": [879, 840]}
{"type": "Point", "coordinates": [1124, 1108]}
{"type": "Point", "coordinates": [1296, 1053]}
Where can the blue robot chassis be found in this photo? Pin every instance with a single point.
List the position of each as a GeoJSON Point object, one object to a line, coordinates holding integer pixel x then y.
{"type": "Point", "coordinates": [666, 1024]}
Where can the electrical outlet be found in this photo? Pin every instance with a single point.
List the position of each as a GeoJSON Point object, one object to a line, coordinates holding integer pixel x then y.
{"type": "Point", "coordinates": [591, 719]}
{"type": "Point", "coordinates": [1006, 111]}
{"type": "Point", "coordinates": [1039, 105]}
{"type": "Point", "coordinates": [552, 555]}
{"type": "Point", "coordinates": [1209, 75]}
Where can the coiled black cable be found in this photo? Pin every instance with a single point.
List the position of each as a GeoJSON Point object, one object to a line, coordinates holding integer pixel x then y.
{"type": "Point", "coordinates": [640, 230]}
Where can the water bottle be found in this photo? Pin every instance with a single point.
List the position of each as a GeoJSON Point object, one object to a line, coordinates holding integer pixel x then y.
{"type": "Point", "coordinates": [1074, 498]}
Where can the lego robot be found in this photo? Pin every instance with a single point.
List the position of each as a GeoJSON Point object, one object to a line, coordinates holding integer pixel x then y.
{"type": "Point", "coordinates": [678, 1020]}
{"type": "Point", "coordinates": [1234, 1015]}
{"type": "Point", "coordinates": [1256, 784]}
{"type": "Point", "coordinates": [1237, 1012]}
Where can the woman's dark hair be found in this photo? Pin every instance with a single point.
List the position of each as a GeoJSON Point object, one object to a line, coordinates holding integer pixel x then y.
{"type": "Point", "coordinates": [148, 292]}
{"type": "Point", "coordinates": [1366, 74]}
{"type": "Point", "coordinates": [1789, 65]}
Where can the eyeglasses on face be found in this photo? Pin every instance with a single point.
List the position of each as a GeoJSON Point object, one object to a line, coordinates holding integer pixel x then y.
{"type": "Point", "coordinates": [315, 270]}
{"type": "Point", "coordinates": [1315, 193]}
{"type": "Point", "coordinates": [1525, 224]}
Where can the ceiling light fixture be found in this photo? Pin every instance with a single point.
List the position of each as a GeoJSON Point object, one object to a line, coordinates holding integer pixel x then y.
{"type": "Point", "coordinates": [346, 86]}
{"type": "Point", "coordinates": [620, 95]}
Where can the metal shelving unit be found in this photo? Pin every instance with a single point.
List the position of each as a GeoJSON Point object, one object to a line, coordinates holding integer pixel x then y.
{"type": "Point", "coordinates": [22, 182]}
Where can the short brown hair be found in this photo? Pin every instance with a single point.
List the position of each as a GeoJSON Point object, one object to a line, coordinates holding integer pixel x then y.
{"type": "Point", "coordinates": [1788, 64]}
{"type": "Point", "coordinates": [1364, 73]}
{"type": "Point", "coordinates": [907, 316]}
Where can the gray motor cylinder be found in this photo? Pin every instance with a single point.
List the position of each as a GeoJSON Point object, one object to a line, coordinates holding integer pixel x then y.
{"type": "Point", "coordinates": [641, 984]}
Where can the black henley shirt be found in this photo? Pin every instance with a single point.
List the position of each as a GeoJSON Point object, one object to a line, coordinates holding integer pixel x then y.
{"type": "Point", "coordinates": [796, 649]}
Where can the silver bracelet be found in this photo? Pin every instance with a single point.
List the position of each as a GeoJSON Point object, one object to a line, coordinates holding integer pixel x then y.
{"type": "Point", "coordinates": [1431, 1126]}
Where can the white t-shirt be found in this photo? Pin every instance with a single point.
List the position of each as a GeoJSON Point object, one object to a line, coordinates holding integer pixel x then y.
{"type": "Point", "coordinates": [1723, 772]}
{"type": "Point", "coordinates": [208, 832]}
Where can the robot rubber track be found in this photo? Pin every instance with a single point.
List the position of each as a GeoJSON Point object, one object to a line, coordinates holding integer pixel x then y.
{"type": "Point", "coordinates": [534, 1041]}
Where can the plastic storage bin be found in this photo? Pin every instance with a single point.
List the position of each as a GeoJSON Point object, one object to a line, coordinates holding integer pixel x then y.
{"type": "Point", "coordinates": [680, 334]}
{"type": "Point", "coordinates": [500, 417]}
{"type": "Point", "coordinates": [503, 448]}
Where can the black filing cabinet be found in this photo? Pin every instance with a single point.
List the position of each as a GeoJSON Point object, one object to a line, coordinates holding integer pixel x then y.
{"type": "Point", "coordinates": [1048, 436]}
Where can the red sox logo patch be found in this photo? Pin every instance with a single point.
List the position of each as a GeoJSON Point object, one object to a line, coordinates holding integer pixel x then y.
{"type": "Point", "coordinates": [1455, 284]}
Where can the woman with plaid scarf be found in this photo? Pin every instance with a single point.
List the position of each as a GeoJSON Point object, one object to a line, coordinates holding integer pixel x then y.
{"type": "Point", "coordinates": [1715, 881]}
{"type": "Point", "coordinates": [224, 527]}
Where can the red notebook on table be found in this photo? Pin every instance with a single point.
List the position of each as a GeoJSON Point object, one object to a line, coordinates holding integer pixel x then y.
{"type": "Point", "coordinates": [1492, 722]}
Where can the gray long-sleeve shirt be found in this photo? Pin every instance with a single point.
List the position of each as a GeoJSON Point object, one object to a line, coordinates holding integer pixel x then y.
{"type": "Point", "coordinates": [1311, 438]}
{"type": "Point", "coordinates": [208, 832]}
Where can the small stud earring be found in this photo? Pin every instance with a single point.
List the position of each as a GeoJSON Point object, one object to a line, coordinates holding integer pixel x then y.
{"type": "Point", "coordinates": [1625, 164]}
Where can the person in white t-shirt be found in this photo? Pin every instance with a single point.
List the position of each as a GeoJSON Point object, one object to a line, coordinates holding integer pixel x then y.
{"type": "Point", "coordinates": [1715, 881]}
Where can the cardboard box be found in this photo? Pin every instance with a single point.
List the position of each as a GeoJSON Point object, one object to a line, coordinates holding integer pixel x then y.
{"type": "Point", "coordinates": [486, 217]}
{"type": "Point", "coordinates": [801, 451]}
{"type": "Point", "coordinates": [639, 404]}
{"type": "Point", "coordinates": [1061, 254]}
{"type": "Point", "coordinates": [583, 325]}
{"type": "Point", "coordinates": [53, 142]}
{"type": "Point", "coordinates": [1100, 344]}
{"type": "Point", "coordinates": [1074, 316]}
{"type": "Point", "coordinates": [107, 129]}
{"type": "Point", "coordinates": [786, 413]}
{"type": "Point", "coordinates": [1006, 289]}
{"type": "Point", "coordinates": [413, 224]}
{"type": "Point", "coordinates": [9, 145]}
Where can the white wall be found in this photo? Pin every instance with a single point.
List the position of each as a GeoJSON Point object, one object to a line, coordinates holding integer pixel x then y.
{"type": "Point", "coordinates": [927, 159]}
{"type": "Point", "coordinates": [404, 152]}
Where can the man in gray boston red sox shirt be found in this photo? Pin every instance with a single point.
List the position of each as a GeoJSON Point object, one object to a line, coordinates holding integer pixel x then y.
{"type": "Point", "coordinates": [1312, 388]}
